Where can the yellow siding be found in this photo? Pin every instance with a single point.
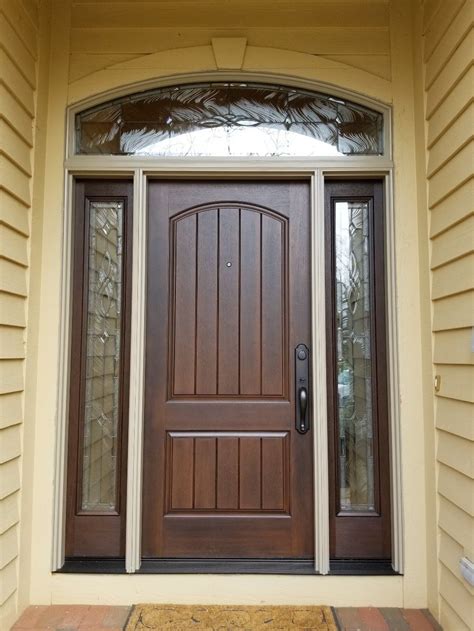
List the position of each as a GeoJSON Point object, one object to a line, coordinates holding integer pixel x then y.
{"type": "Point", "coordinates": [354, 32]}
{"type": "Point", "coordinates": [18, 46]}
{"type": "Point", "coordinates": [448, 56]}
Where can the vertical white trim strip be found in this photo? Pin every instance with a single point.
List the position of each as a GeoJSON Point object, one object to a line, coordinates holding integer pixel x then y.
{"type": "Point", "coordinates": [137, 371]}
{"type": "Point", "coordinates": [393, 385]}
{"type": "Point", "coordinates": [60, 456]}
{"type": "Point", "coordinates": [320, 433]}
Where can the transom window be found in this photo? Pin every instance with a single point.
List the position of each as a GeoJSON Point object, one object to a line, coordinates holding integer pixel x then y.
{"type": "Point", "coordinates": [230, 119]}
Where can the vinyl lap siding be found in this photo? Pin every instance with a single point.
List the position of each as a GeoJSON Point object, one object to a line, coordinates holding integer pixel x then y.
{"type": "Point", "coordinates": [18, 50]}
{"type": "Point", "coordinates": [355, 32]}
{"type": "Point", "coordinates": [449, 77]}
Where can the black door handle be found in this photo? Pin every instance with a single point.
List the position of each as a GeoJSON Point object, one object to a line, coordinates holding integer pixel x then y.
{"type": "Point", "coordinates": [301, 388]}
{"type": "Point", "coordinates": [303, 403]}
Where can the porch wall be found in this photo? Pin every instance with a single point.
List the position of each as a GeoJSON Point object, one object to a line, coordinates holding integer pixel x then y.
{"type": "Point", "coordinates": [103, 34]}
{"type": "Point", "coordinates": [350, 43]}
{"type": "Point", "coordinates": [449, 111]}
{"type": "Point", "coordinates": [19, 23]}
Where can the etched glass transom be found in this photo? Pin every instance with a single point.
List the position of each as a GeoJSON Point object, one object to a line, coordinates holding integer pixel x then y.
{"type": "Point", "coordinates": [354, 357]}
{"type": "Point", "coordinates": [230, 119]}
{"type": "Point", "coordinates": [103, 350]}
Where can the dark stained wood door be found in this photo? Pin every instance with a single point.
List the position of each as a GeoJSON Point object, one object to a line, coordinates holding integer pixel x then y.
{"type": "Point", "coordinates": [226, 474]}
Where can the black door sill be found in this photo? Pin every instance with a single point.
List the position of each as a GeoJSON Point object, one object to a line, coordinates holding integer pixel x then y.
{"type": "Point", "coordinates": [353, 567]}
{"type": "Point", "coordinates": [227, 566]}
{"type": "Point", "coordinates": [346, 567]}
{"type": "Point", "coordinates": [87, 565]}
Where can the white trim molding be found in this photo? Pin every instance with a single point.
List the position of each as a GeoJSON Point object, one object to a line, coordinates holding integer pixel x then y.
{"type": "Point", "coordinates": [393, 380]}
{"type": "Point", "coordinates": [62, 408]}
{"type": "Point", "coordinates": [320, 422]}
{"type": "Point", "coordinates": [137, 375]}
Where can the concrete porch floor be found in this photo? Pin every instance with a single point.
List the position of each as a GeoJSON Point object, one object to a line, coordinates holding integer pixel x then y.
{"type": "Point", "coordinates": [103, 618]}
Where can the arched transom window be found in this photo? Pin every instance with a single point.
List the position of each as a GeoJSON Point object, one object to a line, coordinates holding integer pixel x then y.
{"type": "Point", "coordinates": [230, 119]}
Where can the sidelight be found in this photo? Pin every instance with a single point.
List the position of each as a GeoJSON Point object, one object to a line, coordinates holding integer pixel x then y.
{"type": "Point", "coordinates": [357, 371]}
{"type": "Point", "coordinates": [103, 352]}
{"type": "Point", "coordinates": [100, 347]}
{"type": "Point", "coordinates": [354, 355]}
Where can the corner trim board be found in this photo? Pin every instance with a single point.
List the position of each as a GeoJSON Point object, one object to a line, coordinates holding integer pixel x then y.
{"type": "Point", "coordinates": [60, 464]}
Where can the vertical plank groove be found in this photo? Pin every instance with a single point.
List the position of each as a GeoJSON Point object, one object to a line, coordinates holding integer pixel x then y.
{"type": "Point", "coordinates": [227, 495]}
{"type": "Point", "coordinates": [182, 473]}
{"type": "Point", "coordinates": [206, 321]}
{"type": "Point", "coordinates": [216, 481]}
{"type": "Point", "coordinates": [238, 472]}
{"type": "Point", "coordinates": [194, 473]}
{"type": "Point", "coordinates": [229, 300]}
{"type": "Point", "coordinates": [284, 310]}
{"type": "Point", "coordinates": [218, 295]}
{"type": "Point", "coordinates": [273, 306]}
{"type": "Point", "coordinates": [261, 473]}
{"type": "Point", "coordinates": [250, 473]}
{"type": "Point", "coordinates": [196, 298]}
{"type": "Point", "coordinates": [250, 310]}
{"type": "Point", "coordinates": [261, 304]}
{"type": "Point", "coordinates": [185, 298]}
{"type": "Point", "coordinates": [205, 473]}
{"type": "Point", "coordinates": [273, 474]}
{"type": "Point", "coordinates": [239, 307]}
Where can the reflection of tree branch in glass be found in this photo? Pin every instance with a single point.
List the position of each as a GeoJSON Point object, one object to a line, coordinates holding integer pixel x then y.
{"type": "Point", "coordinates": [354, 372]}
{"type": "Point", "coordinates": [228, 119]}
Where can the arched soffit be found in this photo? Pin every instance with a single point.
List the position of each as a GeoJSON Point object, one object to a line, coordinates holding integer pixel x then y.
{"type": "Point", "coordinates": [261, 64]}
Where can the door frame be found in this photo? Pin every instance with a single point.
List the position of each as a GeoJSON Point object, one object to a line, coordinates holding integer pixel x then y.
{"type": "Point", "coordinates": [316, 171]}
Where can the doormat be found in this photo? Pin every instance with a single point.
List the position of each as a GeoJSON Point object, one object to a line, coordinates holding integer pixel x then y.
{"type": "Point", "coordinates": [227, 618]}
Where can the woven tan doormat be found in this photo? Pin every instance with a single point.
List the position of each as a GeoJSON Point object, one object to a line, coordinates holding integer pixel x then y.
{"type": "Point", "coordinates": [227, 618]}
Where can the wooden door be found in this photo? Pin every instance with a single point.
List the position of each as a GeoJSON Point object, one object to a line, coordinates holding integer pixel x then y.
{"type": "Point", "coordinates": [226, 473]}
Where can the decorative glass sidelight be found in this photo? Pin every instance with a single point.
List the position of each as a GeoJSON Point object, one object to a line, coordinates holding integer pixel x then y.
{"type": "Point", "coordinates": [230, 119]}
{"type": "Point", "coordinates": [354, 356]}
{"type": "Point", "coordinates": [103, 352]}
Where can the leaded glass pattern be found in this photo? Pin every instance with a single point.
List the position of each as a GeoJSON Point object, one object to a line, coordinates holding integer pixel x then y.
{"type": "Point", "coordinates": [103, 350]}
{"type": "Point", "coordinates": [230, 119]}
{"type": "Point", "coordinates": [354, 357]}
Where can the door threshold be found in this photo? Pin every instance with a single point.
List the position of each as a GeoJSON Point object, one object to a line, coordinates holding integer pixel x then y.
{"type": "Point", "coordinates": [227, 566]}
{"type": "Point", "coordinates": [355, 567]}
{"type": "Point", "coordinates": [92, 565]}
{"type": "Point", "coordinates": [88, 565]}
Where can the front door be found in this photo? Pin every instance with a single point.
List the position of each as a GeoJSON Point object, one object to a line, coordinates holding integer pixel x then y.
{"type": "Point", "coordinates": [228, 467]}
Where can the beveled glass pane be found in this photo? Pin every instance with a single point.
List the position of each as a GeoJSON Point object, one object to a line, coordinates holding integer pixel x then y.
{"type": "Point", "coordinates": [103, 349]}
{"type": "Point", "coordinates": [353, 354]}
{"type": "Point", "coordinates": [228, 119]}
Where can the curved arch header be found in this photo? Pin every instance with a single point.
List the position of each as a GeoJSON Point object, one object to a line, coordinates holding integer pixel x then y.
{"type": "Point", "coordinates": [230, 119]}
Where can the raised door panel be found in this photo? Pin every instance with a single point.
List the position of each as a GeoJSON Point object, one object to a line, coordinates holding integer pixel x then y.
{"type": "Point", "coordinates": [229, 323]}
{"type": "Point", "coordinates": [227, 472]}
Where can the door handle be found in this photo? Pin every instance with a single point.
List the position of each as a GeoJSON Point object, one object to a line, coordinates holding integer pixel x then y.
{"type": "Point", "coordinates": [303, 403]}
{"type": "Point", "coordinates": [302, 388]}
